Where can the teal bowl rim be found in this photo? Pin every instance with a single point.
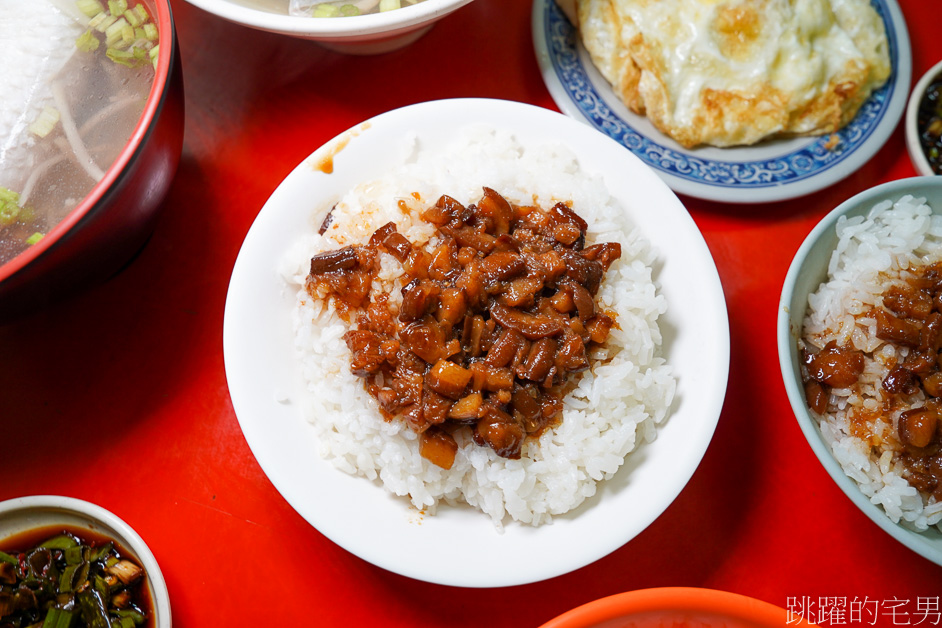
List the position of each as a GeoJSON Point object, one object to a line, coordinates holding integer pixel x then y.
{"type": "Point", "coordinates": [926, 544]}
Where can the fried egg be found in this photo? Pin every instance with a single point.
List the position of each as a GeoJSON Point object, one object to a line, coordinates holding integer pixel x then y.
{"type": "Point", "coordinates": [734, 72]}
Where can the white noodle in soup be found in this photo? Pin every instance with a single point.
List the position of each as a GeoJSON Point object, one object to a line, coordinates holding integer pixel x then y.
{"type": "Point", "coordinates": [77, 75]}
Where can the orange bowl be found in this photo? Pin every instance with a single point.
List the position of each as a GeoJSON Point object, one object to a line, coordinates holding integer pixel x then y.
{"type": "Point", "coordinates": [677, 607]}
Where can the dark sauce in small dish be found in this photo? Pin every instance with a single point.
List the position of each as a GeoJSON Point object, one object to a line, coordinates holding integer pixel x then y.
{"type": "Point", "coordinates": [71, 577]}
{"type": "Point", "coordinates": [929, 124]}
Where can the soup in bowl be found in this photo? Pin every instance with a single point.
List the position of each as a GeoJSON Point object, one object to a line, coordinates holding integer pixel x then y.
{"type": "Point", "coordinates": [360, 27]}
{"type": "Point", "coordinates": [90, 137]}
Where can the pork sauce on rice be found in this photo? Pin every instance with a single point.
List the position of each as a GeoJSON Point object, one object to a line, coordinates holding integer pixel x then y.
{"type": "Point", "coordinates": [871, 343]}
{"type": "Point", "coordinates": [607, 412]}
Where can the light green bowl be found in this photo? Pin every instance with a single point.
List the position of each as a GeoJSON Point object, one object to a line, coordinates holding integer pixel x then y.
{"type": "Point", "coordinates": [808, 270]}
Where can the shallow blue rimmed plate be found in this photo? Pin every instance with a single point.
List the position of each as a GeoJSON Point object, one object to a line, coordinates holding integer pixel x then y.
{"type": "Point", "coordinates": [770, 171]}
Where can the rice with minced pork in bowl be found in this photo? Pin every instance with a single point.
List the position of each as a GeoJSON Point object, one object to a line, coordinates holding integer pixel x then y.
{"type": "Point", "coordinates": [614, 407]}
{"type": "Point", "coordinates": [867, 415]}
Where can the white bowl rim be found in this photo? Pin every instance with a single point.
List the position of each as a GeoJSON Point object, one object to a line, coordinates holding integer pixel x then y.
{"type": "Point", "coordinates": [127, 534]}
{"type": "Point", "coordinates": [912, 539]}
{"type": "Point", "coordinates": [332, 28]}
{"type": "Point", "coordinates": [913, 144]}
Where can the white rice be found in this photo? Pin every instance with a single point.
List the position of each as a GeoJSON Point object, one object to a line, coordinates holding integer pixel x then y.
{"type": "Point", "coordinates": [616, 406]}
{"type": "Point", "coordinates": [872, 253]}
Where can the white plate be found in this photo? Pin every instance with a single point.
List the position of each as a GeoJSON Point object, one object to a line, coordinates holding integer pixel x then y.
{"type": "Point", "coordinates": [769, 171]}
{"type": "Point", "coordinates": [460, 546]}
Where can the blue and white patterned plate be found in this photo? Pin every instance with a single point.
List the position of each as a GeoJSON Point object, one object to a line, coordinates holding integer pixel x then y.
{"type": "Point", "coordinates": [773, 170]}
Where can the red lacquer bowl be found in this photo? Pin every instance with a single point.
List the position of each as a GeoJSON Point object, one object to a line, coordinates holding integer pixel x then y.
{"type": "Point", "coordinates": [678, 607]}
{"type": "Point", "coordinates": [111, 224]}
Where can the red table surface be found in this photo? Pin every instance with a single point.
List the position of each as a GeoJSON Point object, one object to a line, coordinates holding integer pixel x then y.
{"type": "Point", "coordinates": [119, 396]}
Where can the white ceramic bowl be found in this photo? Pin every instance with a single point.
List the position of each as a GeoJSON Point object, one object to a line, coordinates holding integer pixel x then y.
{"type": "Point", "coordinates": [677, 606]}
{"type": "Point", "coordinates": [28, 513]}
{"type": "Point", "coordinates": [263, 371]}
{"type": "Point", "coordinates": [808, 270]}
{"type": "Point", "coordinates": [913, 145]}
{"type": "Point", "coordinates": [365, 34]}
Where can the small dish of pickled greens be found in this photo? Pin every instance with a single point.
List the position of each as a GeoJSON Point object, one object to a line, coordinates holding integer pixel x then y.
{"type": "Point", "coordinates": [930, 124]}
{"type": "Point", "coordinates": [345, 8]}
{"type": "Point", "coordinates": [70, 578]}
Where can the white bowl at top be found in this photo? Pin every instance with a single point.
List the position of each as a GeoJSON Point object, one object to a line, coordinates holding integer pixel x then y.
{"type": "Point", "coordinates": [373, 33]}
